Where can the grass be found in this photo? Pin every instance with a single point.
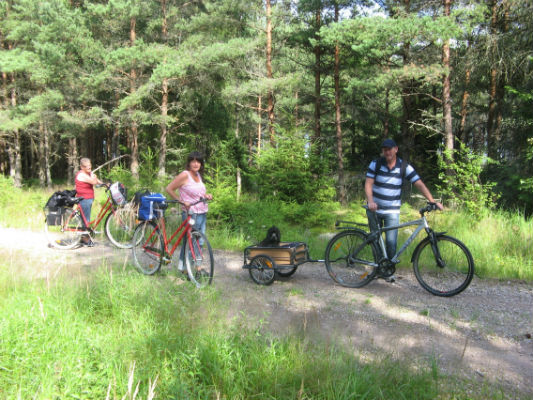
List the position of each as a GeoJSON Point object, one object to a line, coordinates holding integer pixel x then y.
{"type": "Point", "coordinates": [88, 338]}
{"type": "Point", "coordinates": [117, 334]}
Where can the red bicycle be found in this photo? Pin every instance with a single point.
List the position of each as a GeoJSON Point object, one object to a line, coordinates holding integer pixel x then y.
{"type": "Point", "coordinates": [152, 247]}
{"type": "Point", "coordinates": [67, 225]}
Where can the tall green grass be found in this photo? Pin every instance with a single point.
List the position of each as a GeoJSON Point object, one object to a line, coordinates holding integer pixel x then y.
{"type": "Point", "coordinates": [120, 335]}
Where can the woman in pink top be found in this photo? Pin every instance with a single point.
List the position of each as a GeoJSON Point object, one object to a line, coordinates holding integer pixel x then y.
{"type": "Point", "coordinates": [191, 189]}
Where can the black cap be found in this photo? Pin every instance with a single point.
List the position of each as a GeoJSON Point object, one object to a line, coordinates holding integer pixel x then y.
{"type": "Point", "coordinates": [389, 143]}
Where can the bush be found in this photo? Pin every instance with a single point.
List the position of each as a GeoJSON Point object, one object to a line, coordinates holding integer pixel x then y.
{"type": "Point", "coordinates": [461, 181]}
{"type": "Point", "coordinates": [289, 172]}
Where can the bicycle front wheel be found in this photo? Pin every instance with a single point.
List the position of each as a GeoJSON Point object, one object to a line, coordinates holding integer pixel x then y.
{"type": "Point", "coordinates": [149, 248]}
{"type": "Point", "coordinates": [349, 258]}
{"type": "Point", "coordinates": [448, 277]}
{"type": "Point", "coordinates": [120, 226]}
{"type": "Point", "coordinates": [67, 234]}
{"type": "Point", "coordinates": [199, 259]}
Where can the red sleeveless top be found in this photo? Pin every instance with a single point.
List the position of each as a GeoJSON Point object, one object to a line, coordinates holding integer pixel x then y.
{"type": "Point", "coordinates": [83, 189]}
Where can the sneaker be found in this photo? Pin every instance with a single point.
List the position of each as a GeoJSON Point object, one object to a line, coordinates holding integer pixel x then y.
{"type": "Point", "coordinates": [88, 244]}
{"type": "Point", "coordinates": [390, 279]}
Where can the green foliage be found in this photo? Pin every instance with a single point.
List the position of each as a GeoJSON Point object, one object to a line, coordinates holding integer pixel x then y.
{"type": "Point", "coordinates": [461, 183]}
{"type": "Point", "coordinates": [285, 172]}
{"type": "Point", "coordinates": [21, 208]}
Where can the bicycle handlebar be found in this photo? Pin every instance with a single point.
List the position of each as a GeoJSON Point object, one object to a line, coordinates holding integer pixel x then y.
{"type": "Point", "coordinates": [430, 207]}
{"type": "Point", "coordinates": [202, 200]}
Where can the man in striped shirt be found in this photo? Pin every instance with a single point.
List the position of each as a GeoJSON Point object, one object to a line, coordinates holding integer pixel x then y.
{"type": "Point", "coordinates": [383, 190]}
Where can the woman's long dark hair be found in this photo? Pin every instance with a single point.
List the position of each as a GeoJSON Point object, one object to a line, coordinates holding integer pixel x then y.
{"type": "Point", "coordinates": [196, 155]}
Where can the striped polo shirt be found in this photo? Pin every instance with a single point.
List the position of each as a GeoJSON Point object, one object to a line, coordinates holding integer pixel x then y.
{"type": "Point", "coordinates": [387, 188]}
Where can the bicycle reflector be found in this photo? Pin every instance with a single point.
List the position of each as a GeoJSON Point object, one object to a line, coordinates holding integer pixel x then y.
{"type": "Point", "coordinates": [192, 221]}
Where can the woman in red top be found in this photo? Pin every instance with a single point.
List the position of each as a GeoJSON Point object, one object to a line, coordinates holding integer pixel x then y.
{"type": "Point", "coordinates": [85, 181]}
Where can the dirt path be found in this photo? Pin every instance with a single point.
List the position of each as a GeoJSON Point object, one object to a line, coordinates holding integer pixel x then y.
{"type": "Point", "coordinates": [483, 333]}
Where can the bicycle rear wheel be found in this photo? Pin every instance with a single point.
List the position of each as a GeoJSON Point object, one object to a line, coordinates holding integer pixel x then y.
{"type": "Point", "coordinates": [149, 247]}
{"type": "Point", "coordinates": [199, 261]}
{"type": "Point", "coordinates": [120, 226]}
{"type": "Point", "coordinates": [348, 258]}
{"type": "Point", "coordinates": [455, 272]}
{"type": "Point", "coordinates": [67, 234]}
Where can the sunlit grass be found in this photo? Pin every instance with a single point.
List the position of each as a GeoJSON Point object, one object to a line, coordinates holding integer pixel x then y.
{"type": "Point", "coordinates": [118, 334]}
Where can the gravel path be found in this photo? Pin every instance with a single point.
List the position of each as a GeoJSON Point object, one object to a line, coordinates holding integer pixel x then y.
{"type": "Point", "coordinates": [483, 333]}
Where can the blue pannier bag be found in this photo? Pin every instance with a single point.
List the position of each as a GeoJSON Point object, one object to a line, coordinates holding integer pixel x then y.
{"type": "Point", "coordinates": [152, 206]}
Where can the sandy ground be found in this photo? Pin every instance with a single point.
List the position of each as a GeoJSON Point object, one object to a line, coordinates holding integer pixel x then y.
{"type": "Point", "coordinates": [483, 334]}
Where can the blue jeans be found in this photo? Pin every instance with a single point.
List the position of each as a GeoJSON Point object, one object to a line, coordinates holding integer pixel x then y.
{"type": "Point", "coordinates": [86, 205]}
{"type": "Point", "coordinates": [200, 223]}
{"type": "Point", "coordinates": [385, 220]}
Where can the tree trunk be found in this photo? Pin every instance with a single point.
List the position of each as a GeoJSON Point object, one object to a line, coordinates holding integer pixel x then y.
{"type": "Point", "coordinates": [407, 99]}
{"type": "Point", "coordinates": [238, 177]}
{"type": "Point", "coordinates": [493, 139]}
{"type": "Point", "coordinates": [164, 103]}
{"type": "Point", "coordinates": [73, 162]}
{"type": "Point", "coordinates": [338, 129]}
{"type": "Point", "coordinates": [115, 138]}
{"type": "Point", "coordinates": [386, 122]}
{"type": "Point", "coordinates": [464, 107]}
{"type": "Point", "coordinates": [270, 109]}
{"type": "Point", "coordinates": [318, 52]}
{"type": "Point", "coordinates": [446, 97]}
{"type": "Point", "coordinates": [134, 134]}
{"type": "Point", "coordinates": [47, 173]}
{"type": "Point", "coordinates": [41, 156]}
{"type": "Point", "coordinates": [259, 132]}
{"type": "Point", "coordinates": [13, 143]}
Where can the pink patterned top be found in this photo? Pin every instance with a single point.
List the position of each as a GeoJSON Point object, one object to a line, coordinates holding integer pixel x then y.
{"type": "Point", "coordinates": [192, 191]}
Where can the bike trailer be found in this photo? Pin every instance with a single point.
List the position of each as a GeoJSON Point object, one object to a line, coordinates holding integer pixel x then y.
{"type": "Point", "coordinates": [118, 193]}
{"type": "Point", "coordinates": [285, 254]}
{"type": "Point", "coordinates": [152, 206]}
{"type": "Point", "coordinates": [56, 204]}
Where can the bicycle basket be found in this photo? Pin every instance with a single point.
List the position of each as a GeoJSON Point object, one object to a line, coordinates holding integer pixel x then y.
{"type": "Point", "coordinates": [152, 206]}
{"type": "Point", "coordinates": [118, 193]}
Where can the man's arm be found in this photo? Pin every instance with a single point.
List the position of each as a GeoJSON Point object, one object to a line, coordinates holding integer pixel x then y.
{"type": "Point", "coordinates": [426, 193]}
{"type": "Point", "coordinates": [369, 183]}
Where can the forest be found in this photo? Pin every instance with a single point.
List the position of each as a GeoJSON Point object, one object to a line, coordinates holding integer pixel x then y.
{"type": "Point", "coordinates": [287, 99]}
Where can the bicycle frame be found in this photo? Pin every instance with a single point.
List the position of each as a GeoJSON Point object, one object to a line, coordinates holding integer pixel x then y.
{"type": "Point", "coordinates": [101, 214]}
{"type": "Point", "coordinates": [185, 228]}
{"type": "Point", "coordinates": [421, 224]}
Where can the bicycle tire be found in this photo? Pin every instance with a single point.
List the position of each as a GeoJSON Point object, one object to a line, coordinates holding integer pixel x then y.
{"type": "Point", "coordinates": [454, 276]}
{"type": "Point", "coordinates": [149, 249]}
{"type": "Point", "coordinates": [120, 226]}
{"type": "Point", "coordinates": [262, 269]}
{"type": "Point", "coordinates": [67, 235]}
{"type": "Point", "coordinates": [342, 252]}
{"type": "Point", "coordinates": [200, 261]}
{"type": "Point", "coordinates": [285, 273]}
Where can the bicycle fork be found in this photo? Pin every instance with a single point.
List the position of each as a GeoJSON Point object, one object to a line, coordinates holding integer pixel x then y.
{"type": "Point", "coordinates": [435, 248]}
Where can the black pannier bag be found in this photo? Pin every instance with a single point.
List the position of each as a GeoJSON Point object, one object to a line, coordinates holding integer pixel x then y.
{"type": "Point", "coordinates": [137, 197]}
{"type": "Point", "coordinates": [56, 204]}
